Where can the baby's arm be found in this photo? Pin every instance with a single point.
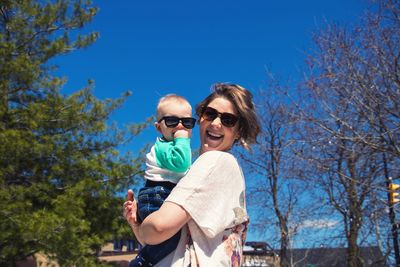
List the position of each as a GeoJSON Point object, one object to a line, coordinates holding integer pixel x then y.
{"type": "Point", "coordinates": [175, 155]}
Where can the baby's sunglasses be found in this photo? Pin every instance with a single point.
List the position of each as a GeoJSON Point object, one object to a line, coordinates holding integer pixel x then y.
{"type": "Point", "coordinates": [227, 119]}
{"type": "Point", "coordinates": [173, 121]}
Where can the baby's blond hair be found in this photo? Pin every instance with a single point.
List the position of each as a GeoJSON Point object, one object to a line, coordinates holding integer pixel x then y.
{"type": "Point", "coordinates": [168, 99]}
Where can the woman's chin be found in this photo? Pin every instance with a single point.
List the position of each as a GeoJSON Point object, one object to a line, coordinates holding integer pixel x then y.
{"type": "Point", "coordinates": [207, 147]}
{"type": "Point", "coordinates": [212, 146]}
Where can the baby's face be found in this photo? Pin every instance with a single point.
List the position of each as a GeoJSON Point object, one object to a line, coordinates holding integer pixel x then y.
{"type": "Point", "coordinates": [177, 110]}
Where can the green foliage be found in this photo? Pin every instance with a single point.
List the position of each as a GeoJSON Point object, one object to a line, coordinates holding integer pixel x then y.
{"type": "Point", "coordinates": [60, 171]}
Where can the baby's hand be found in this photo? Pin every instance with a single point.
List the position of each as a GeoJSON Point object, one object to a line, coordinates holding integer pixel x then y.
{"type": "Point", "coordinates": [185, 133]}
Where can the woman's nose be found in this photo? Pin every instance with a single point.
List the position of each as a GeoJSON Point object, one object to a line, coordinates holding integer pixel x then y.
{"type": "Point", "coordinates": [216, 121]}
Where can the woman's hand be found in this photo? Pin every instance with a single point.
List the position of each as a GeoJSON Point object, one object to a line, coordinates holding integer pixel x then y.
{"type": "Point", "coordinates": [130, 208]}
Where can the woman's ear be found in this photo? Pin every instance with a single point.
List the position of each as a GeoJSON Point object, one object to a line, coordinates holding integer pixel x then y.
{"type": "Point", "coordinates": [237, 136]}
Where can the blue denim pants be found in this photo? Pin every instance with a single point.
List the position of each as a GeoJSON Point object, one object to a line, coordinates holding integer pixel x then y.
{"type": "Point", "coordinates": [150, 199]}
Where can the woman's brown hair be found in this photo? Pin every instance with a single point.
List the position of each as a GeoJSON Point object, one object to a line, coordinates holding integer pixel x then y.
{"type": "Point", "coordinates": [242, 100]}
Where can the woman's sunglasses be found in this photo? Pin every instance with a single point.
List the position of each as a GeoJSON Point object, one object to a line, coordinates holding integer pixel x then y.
{"type": "Point", "coordinates": [227, 119]}
{"type": "Point", "coordinates": [172, 122]}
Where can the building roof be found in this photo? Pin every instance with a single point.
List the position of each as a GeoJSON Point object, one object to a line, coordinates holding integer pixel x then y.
{"type": "Point", "coordinates": [335, 257]}
{"type": "Point", "coordinates": [318, 257]}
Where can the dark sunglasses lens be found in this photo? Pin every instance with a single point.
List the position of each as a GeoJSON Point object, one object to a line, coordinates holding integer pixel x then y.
{"type": "Point", "coordinates": [210, 114]}
{"type": "Point", "coordinates": [228, 120]}
{"type": "Point", "coordinates": [188, 122]}
{"type": "Point", "coordinates": [171, 122]}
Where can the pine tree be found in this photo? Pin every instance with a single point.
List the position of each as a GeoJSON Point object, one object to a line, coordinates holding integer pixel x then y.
{"type": "Point", "coordinates": [59, 165]}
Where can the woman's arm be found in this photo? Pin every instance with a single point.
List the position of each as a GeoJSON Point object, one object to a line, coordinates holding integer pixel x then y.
{"type": "Point", "coordinates": [158, 226]}
{"type": "Point", "coordinates": [163, 224]}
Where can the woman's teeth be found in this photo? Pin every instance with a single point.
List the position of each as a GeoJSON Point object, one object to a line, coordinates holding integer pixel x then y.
{"type": "Point", "coordinates": [214, 135]}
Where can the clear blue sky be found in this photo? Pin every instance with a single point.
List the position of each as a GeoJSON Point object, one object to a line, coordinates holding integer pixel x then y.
{"type": "Point", "coordinates": [157, 47]}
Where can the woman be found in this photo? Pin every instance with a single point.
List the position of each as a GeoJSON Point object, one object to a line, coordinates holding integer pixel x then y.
{"type": "Point", "coordinates": [208, 204]}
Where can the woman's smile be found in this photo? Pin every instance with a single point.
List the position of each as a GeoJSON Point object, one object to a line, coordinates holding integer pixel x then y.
{"type": "Point", "coordinates": [214, 136]}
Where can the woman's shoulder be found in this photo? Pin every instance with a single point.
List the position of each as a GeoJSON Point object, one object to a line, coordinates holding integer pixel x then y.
{"type": "Point", "coordinates": [218, 159]}
{"type": "Point", "coordinates": [213, 163]}
{"type": "Point", "coordinates": [217, 155]}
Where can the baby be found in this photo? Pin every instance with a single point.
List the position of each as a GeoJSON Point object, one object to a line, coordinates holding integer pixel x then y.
{"type": "Point", "coordinates": [168, 161]}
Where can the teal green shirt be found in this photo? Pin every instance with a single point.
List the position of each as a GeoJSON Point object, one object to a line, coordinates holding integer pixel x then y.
{"type": "Point", "coordinates": [173, 155]}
